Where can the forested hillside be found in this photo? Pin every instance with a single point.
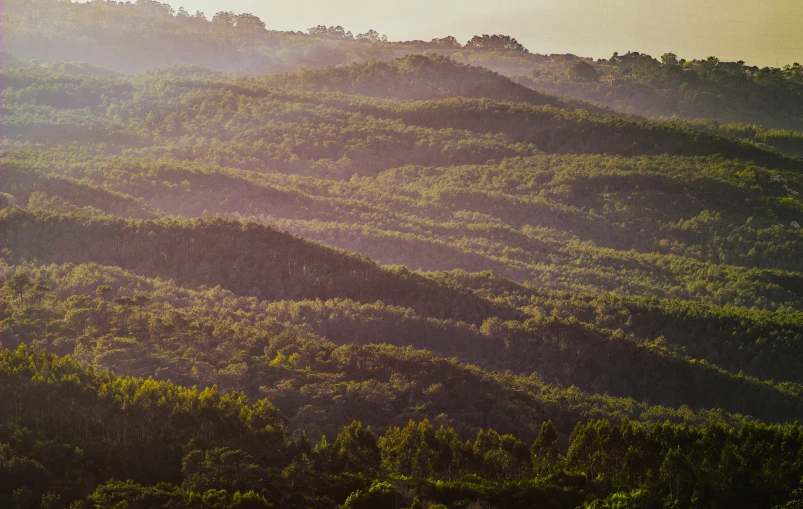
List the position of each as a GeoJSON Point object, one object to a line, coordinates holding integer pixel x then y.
{"type": "Point", "coordinates": [531, 192]}
{"type": "Point", "coordinates": [240, 455]}
{"type": "Point", "coordinates": [244, 268]}
{"type": "Point", "coordinates": [411, 77]}
{"type": "Point", "coordinates": [665, 86]}
{"type": "Point", "coordinates": [760, 104]}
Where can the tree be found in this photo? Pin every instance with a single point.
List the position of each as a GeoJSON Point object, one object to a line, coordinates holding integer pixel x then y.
{"type": "Point", "coordinates": [17, 285]}
{"type": "Point", "coordinates": [221, 467]}
{"type": "Point", "coordinates": [371, 36]}
{"type": "Point", "coordinates": [447, 42]}
{"type": "Point", "coordinates": [710, 64]}
{"type": "Point", "coordinates": [669, 59]}
{"type": "Point", "coordinates": [417, 450]}
{"type": "Point", "coordinates": [795, 499]}
{"type": "Point", "coordinates": [502, 456]}
{"type": "Point", "coordinates": [248, 500]}
{"type": "Point", "coordinates": [495, 43]}
{"type": "Point", "coordinates": [380, 494]}
{"type": "Point", "coordinates": [41, 290]}
{"type": "Point", "coordinates": [356, 450]}
{"type": "Point", "coordinates": [140, 301]}
{"type": "Point", "coordinates": [581, 71]}
{"type": "Point", "coordinates": [322, 455]}
{"type": "Point", "coordinates": [225, 18]}
{"type": "Point", "coordinates": [544, 451]}
{"type": "Point", "coordinates": [102, 290]}
{"type": "Point", "coordinates": [248, 21]}
{"type": "Point", "coordinates": [7, 200]}
{"type": "Point", "coordinates": [124, 301]}
{"type": "Point", "coordinates": [676, 473]}
{"type": "Point", "coordinates": [333, 32]}
{"type": "Point", "coordinates": [318, 31]}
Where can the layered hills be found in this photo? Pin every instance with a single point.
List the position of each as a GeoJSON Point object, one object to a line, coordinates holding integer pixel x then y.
{"type": "Point", "coordinates": [404, 280]}
{"type": "Point", "coordinates": [732, 98]}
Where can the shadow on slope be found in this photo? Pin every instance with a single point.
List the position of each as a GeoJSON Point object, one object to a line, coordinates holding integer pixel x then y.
{"type": "Point", "coordinates": [412, 77]}
{"type": "Point", "coordinates": [245, 258]}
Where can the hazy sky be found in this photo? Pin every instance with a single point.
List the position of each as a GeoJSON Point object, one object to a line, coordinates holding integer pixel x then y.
{"type": "Point", "coordinates": [760, 32]}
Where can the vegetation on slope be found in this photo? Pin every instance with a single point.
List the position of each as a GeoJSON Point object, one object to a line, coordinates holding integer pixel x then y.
{"type": "Point", "coordinates": [350, 301]}
{"type": "Point", "coordinates": [636, 342]}
{"type": "Point", "coordinates": [102, 34]}
{"type": "Point", "coordinates": [66, 429]}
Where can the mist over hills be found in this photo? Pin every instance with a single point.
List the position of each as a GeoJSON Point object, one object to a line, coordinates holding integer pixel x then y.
{"type": "Point", "coordinates": [248, 268]}
{"type": "Point", "coordinates": [417, 77]}
{"type": "Point", "coordinates": [102, 33]}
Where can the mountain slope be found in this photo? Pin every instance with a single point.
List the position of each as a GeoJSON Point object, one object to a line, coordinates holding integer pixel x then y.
{"type": "Point", "coordinates": [700, 229]}
{"type": "Point", "coordinates": [191, 251]}
{"type": "Point", "coordinates": [221, 452]}
{"type": "Point", "coordinates": [228, 254]}
{"type": "Point", "coordinates": [361, 364]}
{"type": "Point", "coordinates": [729, 92]}
{"type": "Point", "coordinates": [504, 299]}
{"type": "Point", "coordinates": [416, 77]}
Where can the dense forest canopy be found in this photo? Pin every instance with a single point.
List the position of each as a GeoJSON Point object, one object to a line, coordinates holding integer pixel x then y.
{"type": "Point", "coordinates": [249, 268]}
{"type": "Point", "coordinates": [102, 32]}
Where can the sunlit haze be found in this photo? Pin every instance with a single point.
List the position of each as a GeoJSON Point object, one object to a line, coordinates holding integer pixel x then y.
{"type": "Point", "coordinates": [760, 33]}
{"type": "Point", "coordinates": [410, 254]}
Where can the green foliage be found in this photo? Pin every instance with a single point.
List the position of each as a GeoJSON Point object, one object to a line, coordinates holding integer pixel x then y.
{"type": "Point", "coordinates": [544, 450]}
{"type": "Point", "coordinates": [728, 92]}
{"type": "Point", "coordinates": [380, 494]}
{"type": "Point", "coordinates": [582, 71]}
{"type": "Point", "coordinates": [570, 306]}
{"type": "Point", "coordinates": [411, 77]}
{"type": "Point", "coordinates": [102, 34]}
{"type": "Point", "coordinates": [355, 450]}
{"type": "Point", "coordinates": [62, 419]}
